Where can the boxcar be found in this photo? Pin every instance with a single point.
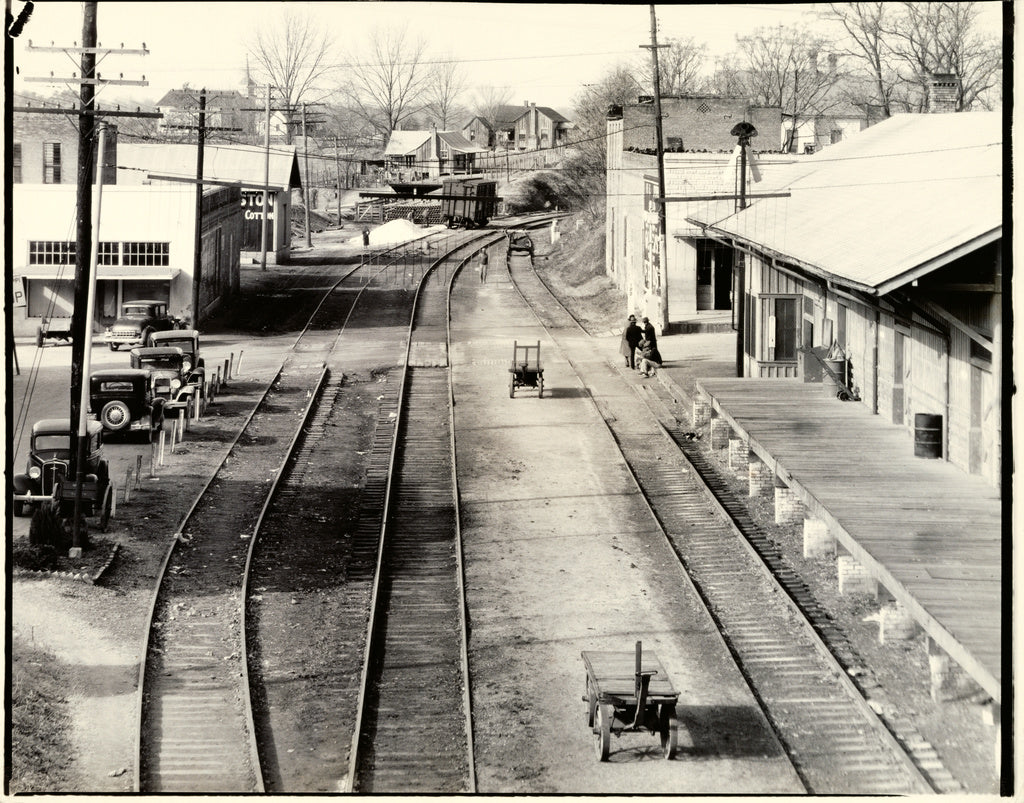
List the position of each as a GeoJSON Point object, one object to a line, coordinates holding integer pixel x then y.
{"type": "Point", "coordinates": [468, 202]}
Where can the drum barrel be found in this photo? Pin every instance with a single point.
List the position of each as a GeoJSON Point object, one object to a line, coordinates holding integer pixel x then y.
{"type": "Point", "coordinates": [928, 435]}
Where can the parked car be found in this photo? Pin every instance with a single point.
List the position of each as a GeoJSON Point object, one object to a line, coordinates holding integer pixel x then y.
{"type": "Point", "coordinates": [138, 320]}
{"type": "Point", "coordinates": [47, 474]}
{"type": "Point", "coordinates": [122, 400]}
{"type": "Point", "coordinates": [168, 376]}
{"type": "Point", "coordinates": [194, 366]}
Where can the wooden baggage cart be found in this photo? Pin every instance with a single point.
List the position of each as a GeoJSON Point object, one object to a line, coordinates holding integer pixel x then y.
{"type": "Point", "coordinates": [47, 331]}
{"type": "Point", "coordinates": [526, 371]}
{"type": "Point", "coordinates": [628, 692]}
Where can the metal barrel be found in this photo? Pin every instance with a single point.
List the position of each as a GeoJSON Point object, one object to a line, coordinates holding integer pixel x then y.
{"type": "Point", "coordinates": [928, 435]}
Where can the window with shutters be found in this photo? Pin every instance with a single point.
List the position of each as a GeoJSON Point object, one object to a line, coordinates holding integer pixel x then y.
{"type": "Point", "coordinates": [51, 163]}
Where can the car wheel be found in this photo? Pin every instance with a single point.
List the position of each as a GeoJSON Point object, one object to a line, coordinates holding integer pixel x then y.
{"type": "Point", "coordinates": [113, 346]}
{"type": "Point", "coordinates": [146, 333]}
{"type": "Point", "coordinates": [115, 416]}
{"type": "Point", "coordinates": [105, 507]}
{"type": "Point", "coordinates": [19, 509]}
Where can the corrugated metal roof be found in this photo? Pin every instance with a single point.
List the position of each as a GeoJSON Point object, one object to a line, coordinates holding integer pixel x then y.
{"type": "Point", "coordinates": [403, 143]}
{"type": "Point", "coordinates": [878, 208]}
{"type": "Point", "coordinates": [228, 163]}
{"type": "Point", "coordinates": [459, 143]}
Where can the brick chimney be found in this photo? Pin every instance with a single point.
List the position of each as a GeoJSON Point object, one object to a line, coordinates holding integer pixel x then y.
{"type": "Point", "coordinates": [942, 93]}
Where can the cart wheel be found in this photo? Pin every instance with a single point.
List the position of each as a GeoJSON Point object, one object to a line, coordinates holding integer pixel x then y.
{"type": "Point", "coordinates": [39, 337]}
{"type": "Point", "coordinates": [105, 508]}
{"type": "Point", "coordinates": [591, 705]}
{"type": "Point", "coordinates": [511, 386]}
{"type": "Point", "coordinates": [540, 387]}
{"type": "Point", "coordinates": [668, 726]}
{"type": "Point", "coordinates": [603, 731]}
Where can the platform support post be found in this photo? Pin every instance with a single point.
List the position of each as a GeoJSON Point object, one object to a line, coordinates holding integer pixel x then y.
{"type": "Point", "coordinates": [760, 475]}
{"type": "Point", "coordinates": [854, 578]}
{"type": "Point", "coordinates": [788, 507]}
{"type": "Point", "coordinates": [818, 540]}
{"type": "Point", "coordinates": [720, 431]}
{"type": "Point", "coordinates": [896, 624]}
{"type": "Point", "coordinates": [739, 455]}
{"type": "Point", "coordinates": [701, 411]}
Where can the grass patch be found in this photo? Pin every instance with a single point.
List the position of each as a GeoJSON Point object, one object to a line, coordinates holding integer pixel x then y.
{"type": "Point", "coordinates": [41, 747]}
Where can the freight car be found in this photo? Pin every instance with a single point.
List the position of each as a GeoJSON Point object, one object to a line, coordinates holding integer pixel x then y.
{"type": "Point", "coordinates": [468, 202]}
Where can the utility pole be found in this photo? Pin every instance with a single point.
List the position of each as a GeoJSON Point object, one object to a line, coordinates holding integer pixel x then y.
{"type": "Point", "coordinates": [81, 327]}
{"type": "Point", "coordinates": [337, 173]}
{"type": "Point", "coordinates": [197, 254]}
{"type": "Point", "coordinates": [266, 190]}
{"type": "Point", "coordinates": [87, 241]}
{"type": "Point", "coordinates": [660, 149]}
{"type": "Point", "coordinates": [305, 166]}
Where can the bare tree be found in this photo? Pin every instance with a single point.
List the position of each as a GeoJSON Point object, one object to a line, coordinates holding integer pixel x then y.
{"type": "Point", "coordinates": [386, 88]}
{"type": "Point", "coordinates": [444, 86]}
{"type": "Point", "coordinates": [929, 38]}
{"type": "Point", "coordinates": [489, 99]}
{"type": "Point", "coordinates": [728, 77]}
{"type": "Point", "coordinates": [680, 65]}
{"type": "Point", "coordinates": [782, 70]}
{"type": "Point", "coordinates": [865, 24]}
{"type": "Point", "coordinates": [293, 56]}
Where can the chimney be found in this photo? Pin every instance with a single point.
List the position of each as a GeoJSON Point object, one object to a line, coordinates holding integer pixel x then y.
{"type": "Point", "coordinates": [526, 103]}
{"type": "Point", "coordinates": [942, 93]}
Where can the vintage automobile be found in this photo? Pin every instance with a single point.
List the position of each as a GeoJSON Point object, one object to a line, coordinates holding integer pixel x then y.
{"type": "Point", "coordinates": [194, 366]}
{"type": "Point", "coordinates": [138, 320]}
{"type": "Point", "coordinates": [122, 400]}
{"type": "Point", "coordinates": [169, 375]}
{"type": "Point", "coordinates": [47, 475]}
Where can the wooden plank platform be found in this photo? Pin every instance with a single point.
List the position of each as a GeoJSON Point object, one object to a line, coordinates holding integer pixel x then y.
{"type": "Point", "coordinates": [929, 533]}
{"type": "Point", "coordinates": [614, 674]}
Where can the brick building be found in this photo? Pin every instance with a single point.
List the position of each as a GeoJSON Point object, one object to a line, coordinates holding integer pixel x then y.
{"type": "Point", "coordinates": [694, 123]}
{"type": "Point", "coordinates": [697, 274]}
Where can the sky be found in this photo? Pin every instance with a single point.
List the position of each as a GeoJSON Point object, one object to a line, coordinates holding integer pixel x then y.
{"type": "Point", "coordinates": [543, 53]}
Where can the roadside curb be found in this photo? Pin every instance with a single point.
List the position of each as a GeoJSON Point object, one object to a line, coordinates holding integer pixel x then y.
{"type": "Point", "coordinates": [80, 577]}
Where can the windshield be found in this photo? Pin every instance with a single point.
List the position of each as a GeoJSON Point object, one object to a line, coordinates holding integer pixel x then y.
{"type": "Point", "coordinates": [55, 442]}
{"type": "Point", "coordinates": [136, 312]}
{"type": "Point", "coordinates": [164, 363]}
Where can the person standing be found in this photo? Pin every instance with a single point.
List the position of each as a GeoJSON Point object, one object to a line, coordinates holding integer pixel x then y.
{"type": "Point", "coordinates": [631, 337]}
{"type": "Point", "coordinates": [649, 333]}
{"type": "Point", "coordinates": [483, 266]}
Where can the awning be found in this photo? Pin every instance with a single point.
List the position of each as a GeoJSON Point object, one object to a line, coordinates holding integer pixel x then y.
{"type": "Point", "coordinates": [109, 272]}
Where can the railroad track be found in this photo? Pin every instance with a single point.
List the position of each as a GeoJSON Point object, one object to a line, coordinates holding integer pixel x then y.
{"type": "Point", "coordinates": [206, 709]}
{"type": "Point", "coordinates": [836, 742]}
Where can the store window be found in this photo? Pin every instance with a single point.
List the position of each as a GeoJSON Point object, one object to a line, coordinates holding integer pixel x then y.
{"type": "Point", "coordinates": [51, 252]}
{"type": "Point", "coordinates": [146, 254]}
{"type": "Point", "coordinates": [109, 253]}
{"type": "Point", "coordinates": [779, 328]}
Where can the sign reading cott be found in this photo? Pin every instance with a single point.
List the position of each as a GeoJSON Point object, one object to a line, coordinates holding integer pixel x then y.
{"type": "Point", "coordinates": [252, 212]}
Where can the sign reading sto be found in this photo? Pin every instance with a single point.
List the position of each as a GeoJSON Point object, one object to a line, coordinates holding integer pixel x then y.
{"type": "Point", "coordinates": [252, 212]}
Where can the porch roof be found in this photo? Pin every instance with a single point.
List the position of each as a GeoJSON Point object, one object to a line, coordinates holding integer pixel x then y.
{"type": "Point", "coordinates": [244, 164]}
{"type": "Point", "coordinates": [874, 212]}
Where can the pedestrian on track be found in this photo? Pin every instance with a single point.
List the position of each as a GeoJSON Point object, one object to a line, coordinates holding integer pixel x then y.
{"type": "Point", "coordinates": [483, 266]}
{"type": "Point", "coordinates": [631, 337]}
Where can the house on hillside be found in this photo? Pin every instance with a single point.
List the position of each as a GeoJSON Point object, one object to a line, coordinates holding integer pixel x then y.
{"type": "Point", "coordinates": [146, 240]}
{"type": "Point", "coordinates": [416, 155]}
{"type": "Point", "coordinates": [519, 128]}
{"type": "Point", "coordinates": [694, 276]}
{"type": "Point", "coordinates": [244, 167]}
{"type": "Point", "coordinates": [888, 251]}
{"type": "Point", "coordinates": [225, 109]}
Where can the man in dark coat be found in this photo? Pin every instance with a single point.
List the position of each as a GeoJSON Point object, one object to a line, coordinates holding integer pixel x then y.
{"type": "Point", "coordinates": [649, 333]}
{"type": "Point", "coordinates": [630, 339]}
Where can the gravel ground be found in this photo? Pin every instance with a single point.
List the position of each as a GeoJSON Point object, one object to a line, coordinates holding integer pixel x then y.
{"type": "Point", "coordinates": [95, 632]}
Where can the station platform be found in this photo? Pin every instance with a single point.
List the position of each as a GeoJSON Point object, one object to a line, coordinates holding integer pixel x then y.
{"type": "Point", "coordinates": [927, 532]}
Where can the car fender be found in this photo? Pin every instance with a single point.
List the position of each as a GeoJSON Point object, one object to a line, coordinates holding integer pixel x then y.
{"type": "Point", "coordinates": [22, 484]}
